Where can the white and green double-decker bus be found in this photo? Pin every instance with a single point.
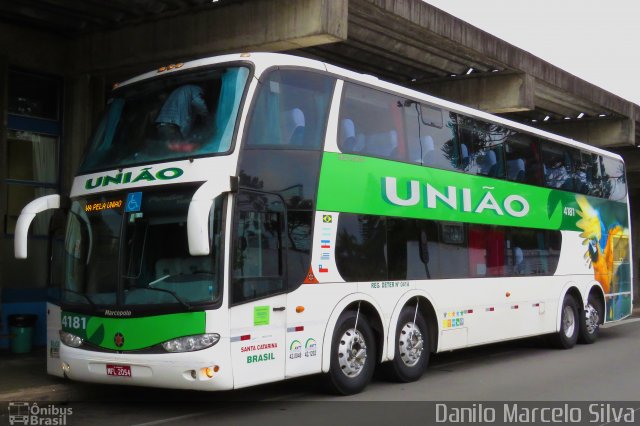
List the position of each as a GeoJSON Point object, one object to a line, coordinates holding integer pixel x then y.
{"type": "Point", "coordinates": [249, 218]}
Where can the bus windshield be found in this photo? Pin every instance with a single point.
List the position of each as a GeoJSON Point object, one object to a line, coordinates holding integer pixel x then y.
{"type": "Point", "coordinates": [125, 249]}
{"type": "Point", "coordinates": [180, 115]}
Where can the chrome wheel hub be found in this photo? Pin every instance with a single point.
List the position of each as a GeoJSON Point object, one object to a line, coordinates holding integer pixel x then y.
{"type": "Point", "coordinates": [352, 353]}
{"type": "Point", "coordinates": [568, 321]}
{"type": "Point", "coordinates": [592, 319]}
{"type": "Point", "coordinates": [410, 344]}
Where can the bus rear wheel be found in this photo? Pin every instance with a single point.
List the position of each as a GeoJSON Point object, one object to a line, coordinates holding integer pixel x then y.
{"type": "Point", "coordinates": [567, 337]}
{"type": "Point", "coordinates": [412, 347]}
{"type": "Point", "coordinates": [590, 320]}
{"type": "Point", "coordinates": [353, 354]}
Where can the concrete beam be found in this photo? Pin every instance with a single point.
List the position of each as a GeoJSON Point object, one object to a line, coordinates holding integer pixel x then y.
{"type": "Point", "coordinates": [476, 46]}
{"type": "Point", "coordinates": [266, 25]}
{"type": "Point", "coordinates": [604, 133]}
{"type": "Point", "coordinates": [34, 49]}
{"type": "Point", "coordinates": [496, 93]}
{"type": "Point", "coordinates": [631, 157]}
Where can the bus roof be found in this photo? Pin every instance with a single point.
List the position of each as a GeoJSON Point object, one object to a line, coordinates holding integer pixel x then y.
{"type": "Point", "coordinates": [263, 60]}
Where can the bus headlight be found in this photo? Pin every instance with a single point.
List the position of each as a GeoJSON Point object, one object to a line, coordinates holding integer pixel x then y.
{"type": "Point", "coordinates": [191, 343]}
{"type": "Point", "coordinates": [71, 339]}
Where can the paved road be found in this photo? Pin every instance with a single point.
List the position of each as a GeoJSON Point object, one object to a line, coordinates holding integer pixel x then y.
{"type": "Point", "coordinates": [526, 370]}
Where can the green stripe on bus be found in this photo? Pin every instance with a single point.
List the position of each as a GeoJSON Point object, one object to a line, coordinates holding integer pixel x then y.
{"type": "Point", "coordinates": [137, 333]}
{"type": "Point", "coordinates": [366, 185]}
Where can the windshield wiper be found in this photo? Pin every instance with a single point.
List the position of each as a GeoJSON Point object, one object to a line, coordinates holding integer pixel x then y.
{"type": "Point", "coordinates": [93, 305]}
{"type": "Point", "coordinates": [173, 293]}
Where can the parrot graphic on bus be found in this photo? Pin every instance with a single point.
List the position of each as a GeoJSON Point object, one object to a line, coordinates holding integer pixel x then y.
{"type": "Point", "coordinates": [601, 242]}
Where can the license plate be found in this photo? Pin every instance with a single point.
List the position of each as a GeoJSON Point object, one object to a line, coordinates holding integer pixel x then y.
{"type": "Point", "coordinates": [119, 370]}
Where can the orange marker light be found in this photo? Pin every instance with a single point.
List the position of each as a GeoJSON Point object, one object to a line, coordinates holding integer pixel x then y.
{"type": "Point", "coordinates": [216, 368]}
{"type": "Point", "coordinates": [299, 309]}
{"type": "Point", "coordinates": [508, 294]}
{"type": "Point", "coordinates": [208, 371]}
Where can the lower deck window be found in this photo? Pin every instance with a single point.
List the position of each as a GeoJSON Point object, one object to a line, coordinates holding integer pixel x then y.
{"type": "Point", "coordinates": [371, 248]}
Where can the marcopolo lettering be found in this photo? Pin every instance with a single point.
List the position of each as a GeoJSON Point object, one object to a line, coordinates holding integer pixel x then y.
{"type": "Point", "coordinates": [145, 174]}
{"type": "Point", "coordinates": [461, 199]}
{"type": "Point", "coordinates": [112, 313]}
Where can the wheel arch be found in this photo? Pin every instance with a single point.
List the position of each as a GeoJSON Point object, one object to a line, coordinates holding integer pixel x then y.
{"type": "Point", "coordinates": [368, 307]}
{"type": "Point", "coordinates": [572, 289]}
{"type": "Point", "coordinates": [427, 310]}
{"type": "Point", "coordinates": [597, 291]}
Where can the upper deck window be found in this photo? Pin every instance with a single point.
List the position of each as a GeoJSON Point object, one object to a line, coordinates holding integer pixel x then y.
{"type": "Point", "coordinates": [177, 116]}
{"type": "Point", "coordinates": [371, 123]}
{"type": "Point", "coordinates": [291, 110]}
{"type": "Point", "coordinates": [380, 124]}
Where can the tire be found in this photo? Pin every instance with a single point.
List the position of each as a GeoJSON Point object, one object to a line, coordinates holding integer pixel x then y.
{"type": "Point", "coordinates": [567, 336]}
{"type": "Point", "coordinates": [590, 319]}
{"type": "Point", "coordinates": [412, 347]}
{"type": "Point", "coordinates": [353, 355]}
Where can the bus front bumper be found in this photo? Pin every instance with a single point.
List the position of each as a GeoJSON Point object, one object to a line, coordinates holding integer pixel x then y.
{"type": "Point", "coordinates": [207, 369]}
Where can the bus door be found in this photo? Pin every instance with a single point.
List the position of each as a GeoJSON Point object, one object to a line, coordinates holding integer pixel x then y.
{"type": "Point", "coordinates": [258, 289]}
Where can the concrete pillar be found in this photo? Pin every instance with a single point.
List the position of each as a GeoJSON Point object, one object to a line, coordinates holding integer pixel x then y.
{"type": "Point", "coordinates": [4, 70]}
{"type": "Point", "coordinates": [634, 199]}
{"type": "Point", "coordinates": [632, 162]}
{"type": "Point", "coordinates": [495, 92]}
{"type": "Point", "coordinates": [601, 132]}
{"type": "Point", "coordinates": [84, 103]}
{"type": "Point", "coordinates": [267, 25]}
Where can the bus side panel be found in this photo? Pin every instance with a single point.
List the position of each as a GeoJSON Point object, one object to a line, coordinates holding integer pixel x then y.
{"type": "Point", "coordinates": [309, 309]}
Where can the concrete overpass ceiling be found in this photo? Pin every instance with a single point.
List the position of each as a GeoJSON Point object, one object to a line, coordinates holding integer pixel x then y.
{"type": "Point", "coordinates": [405, 41]}
{"type": "Point", "coordinates": [75, 17]}
{"type": "Point", "coordinates": [384, 44]}
{"type": "Point", "coordinates": [416, 45]}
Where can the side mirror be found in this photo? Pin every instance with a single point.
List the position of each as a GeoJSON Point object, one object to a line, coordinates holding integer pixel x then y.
{"type": "Point", "coordinates": [198, 216]}
{"type": "Point", "coordinates": [27, 215]}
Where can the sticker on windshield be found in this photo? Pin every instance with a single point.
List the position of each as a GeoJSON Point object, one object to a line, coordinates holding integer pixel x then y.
{"type": "Point", "coordinates": [134, 202]}
{"type": "Point", "coordinates": [103, 205]}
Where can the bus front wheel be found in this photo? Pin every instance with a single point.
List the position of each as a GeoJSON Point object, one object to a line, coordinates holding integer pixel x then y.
{"type": "Point", "coordinates": [590, 320]}
{"type": "Point", "coordinates": [412, 347]}
{"type": "Point", "coordinates": [353, 354]}
{"type": "Point", "coordinates": [567, 337]}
